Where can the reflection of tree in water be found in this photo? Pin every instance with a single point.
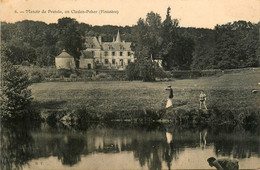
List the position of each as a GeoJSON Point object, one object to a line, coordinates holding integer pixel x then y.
{"type": "Point", "coordinates": [16, 146]}
{"type": "Point", "coordinates": [70, 150]}
{"type": "Point", "coordinates": [147, 152]}
{"type": "Point", "coordinates": [238, 149]}
{"type": "Point", "coordinates": [153, 152]}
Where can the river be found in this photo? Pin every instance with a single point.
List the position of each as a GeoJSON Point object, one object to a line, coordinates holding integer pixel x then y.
{"type": "Point", "coordinates": [125, 146]}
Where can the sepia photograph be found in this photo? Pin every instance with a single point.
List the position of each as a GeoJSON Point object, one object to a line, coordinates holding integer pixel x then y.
{"type": "Point", "coordinates": [130, 84]}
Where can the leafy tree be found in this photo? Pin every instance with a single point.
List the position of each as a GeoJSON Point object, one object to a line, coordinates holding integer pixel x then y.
{"type": "Point", "coordinates": [15, 95]}
{"type": "Point", "coordinates": [176, 49]}
{"type": "Point", "coordinates": [236, 45]}
{"type": "Point", "coordinates": [147, 44]}
{"type": "Point", "coordinates": [70, 38]}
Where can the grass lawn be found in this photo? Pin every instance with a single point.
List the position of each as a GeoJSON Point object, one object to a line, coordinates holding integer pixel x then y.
{"type": "Point", "coordinates": [229, 91]}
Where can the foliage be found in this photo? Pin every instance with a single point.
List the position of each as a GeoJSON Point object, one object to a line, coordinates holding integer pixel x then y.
{"type": "Point", "coordinates": [70, 38]}
{"type": "Point", "coordinates": [64, 72]}
{"type": "Point", "coordinates": [236, 45]}
{"type": "Point", "coordinates": [36, 77]}
{"type": "Point", "coordinates": [16, 97]}
{"type": "Point", "coordinates": [177, 49]}
{"type": "Point", "coordinates": [232, 45]}
{"type": "Point", "coordinates": [132, 71]}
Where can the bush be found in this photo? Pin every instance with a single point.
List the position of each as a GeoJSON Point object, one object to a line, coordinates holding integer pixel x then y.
{"type": "Point", "coordinates": [36, 77]}
{"type": "Point", "coordinates": [15, 95]}
{"type": "Point", "coordinates": [132, 72]}
{"type": "Point", "coordinates": [103, 76]}
{"type": "Point", "coordinates": [64, 73]}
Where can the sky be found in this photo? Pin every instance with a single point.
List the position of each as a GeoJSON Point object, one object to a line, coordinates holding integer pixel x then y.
{"type": "Point", "coordinates": [190, 13]}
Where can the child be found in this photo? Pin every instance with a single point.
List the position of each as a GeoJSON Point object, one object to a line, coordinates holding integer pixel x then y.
{"type": "Point", "coordinates": [169, 101]}
{"type": "Point", "coordinates": [203, 99]}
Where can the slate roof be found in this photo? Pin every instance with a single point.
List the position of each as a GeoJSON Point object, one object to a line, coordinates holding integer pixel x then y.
{"type": "Point", "coordinates": [117, 45]}
{"type": "Point", "coordinates": [92, 42]}
{"type": "Point", "coordinates": [64, 54]}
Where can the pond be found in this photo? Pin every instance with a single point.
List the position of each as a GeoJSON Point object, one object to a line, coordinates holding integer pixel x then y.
{"type": "Point", "coordinates": [125, 146]}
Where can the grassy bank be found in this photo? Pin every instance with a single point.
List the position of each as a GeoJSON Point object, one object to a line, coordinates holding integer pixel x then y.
{"type": "Point", "coordinates": [230, 91]}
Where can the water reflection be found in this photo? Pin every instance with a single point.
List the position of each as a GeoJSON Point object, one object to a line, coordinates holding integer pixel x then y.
{"type": "Point", "coordinates": [156, 147]}
{"type": "Point", "coordinates": [16, 146]}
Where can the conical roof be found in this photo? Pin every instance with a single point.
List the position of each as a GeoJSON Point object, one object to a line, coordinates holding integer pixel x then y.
{"type": "Point", "coordinates": [64, 54]}
{"type": "Point", "coordinates": [118, 39]}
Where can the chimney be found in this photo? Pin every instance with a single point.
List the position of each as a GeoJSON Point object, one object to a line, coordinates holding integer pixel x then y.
{"type": "Point", "coordinates": [99, 39]}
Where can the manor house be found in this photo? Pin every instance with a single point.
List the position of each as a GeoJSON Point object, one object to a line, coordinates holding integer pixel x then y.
{"type": "Point", "coordinates": [109, 55]}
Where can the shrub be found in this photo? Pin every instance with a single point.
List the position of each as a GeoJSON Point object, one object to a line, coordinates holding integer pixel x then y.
{"type": "Point", "coordinates": [103, 76]}
{"type": "Point", "coordinates": [15, 95]}
{"type": "Point", "coordinates": [36, 77]}
{"type": "Point", "coordinates": [132, 72]}
{"type": "Point", "coordinates": [64, 73]}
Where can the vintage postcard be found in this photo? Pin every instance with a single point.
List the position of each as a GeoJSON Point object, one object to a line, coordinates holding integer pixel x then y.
{"type": "Point", "coordinates": [130, 84]}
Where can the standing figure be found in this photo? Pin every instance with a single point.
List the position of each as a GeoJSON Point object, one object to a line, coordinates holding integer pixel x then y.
{"type": "Point", "coordinates": [169, 101]}
{"type": "Point", "coordinates": [203, 99]}
{"type": "Point", "coordinates": [203, 141]}
{"type": "Point", "coordinates": [223, 164]}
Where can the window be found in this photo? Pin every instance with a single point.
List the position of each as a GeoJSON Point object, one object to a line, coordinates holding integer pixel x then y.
{"type": "Point", "coordinates": [113, 61]}
{"type": "Point", "coordinates": [121, 62]}
{"type": "Point", "coordinates": [128, 53]}
{"type": "Point", "coordinates": [106, 61]}
{"type": "Point", "coordinates": [121, 53]}
{"type": "Point", "coordinates": [113, 53]}
{"type": "Point", "coordinates": [89, 66]}
{"type": "Point", "coordinates": [93, 53]}
{"type": "Point", "coordinates": [106, 53]}
{"type": "Point", "coordinates": [128, 61]}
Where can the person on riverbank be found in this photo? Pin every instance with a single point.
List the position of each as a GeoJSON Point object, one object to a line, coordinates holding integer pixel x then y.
{"type": "Point", "coordinates": [223, 164]}
{"type": "Point", "coordinates": [169, 100]}
{"type": "Point", "coordinates": [203, 99]}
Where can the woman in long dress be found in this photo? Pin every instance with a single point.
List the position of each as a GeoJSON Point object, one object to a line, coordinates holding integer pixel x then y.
{"type": "Point", "coordinates": [169, 100]}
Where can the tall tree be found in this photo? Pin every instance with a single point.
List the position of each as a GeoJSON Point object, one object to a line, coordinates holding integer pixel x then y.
{"type": "Point", "coordinates": [70, 38]}
{"type": "Point", "coordinates": [147, 44]}
{"type": "Point", "coordinates": [176, 49]}
{"type": "Point", "coordinates": [236, 45]}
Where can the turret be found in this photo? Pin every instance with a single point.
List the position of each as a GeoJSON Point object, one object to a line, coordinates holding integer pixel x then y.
{"type": "Point", "coordinates": [118, 39]}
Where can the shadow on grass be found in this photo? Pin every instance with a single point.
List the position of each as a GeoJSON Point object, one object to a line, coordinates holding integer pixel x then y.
{"type": "Point", "coordinates": [49, 104]}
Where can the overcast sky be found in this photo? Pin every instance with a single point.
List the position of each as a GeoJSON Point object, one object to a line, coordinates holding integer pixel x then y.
{"type": "Point", "coordinates": [190, 13]}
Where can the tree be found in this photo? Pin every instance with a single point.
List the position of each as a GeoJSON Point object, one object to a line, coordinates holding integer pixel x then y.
{"type": "Point", "coordinates": [15, 95]}
{"type": "Point", "coordinates": [176, 49]}
{"type": "Point", "coordinates": [147, 44]}
{"type": "Point", "coordinates": [236, 45]}
{"type": "Point", "coordinates": [70, 38]}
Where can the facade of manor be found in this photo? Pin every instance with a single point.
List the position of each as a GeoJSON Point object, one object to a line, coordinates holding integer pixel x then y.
{"type": "Point", "coordinates": [109, 55]}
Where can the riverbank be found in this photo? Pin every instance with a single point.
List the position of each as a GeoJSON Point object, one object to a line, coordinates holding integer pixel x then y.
{"type": "Point", "coordinates": [230, 91]}
{"type": "Point", "coordinates": [230, 101]}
